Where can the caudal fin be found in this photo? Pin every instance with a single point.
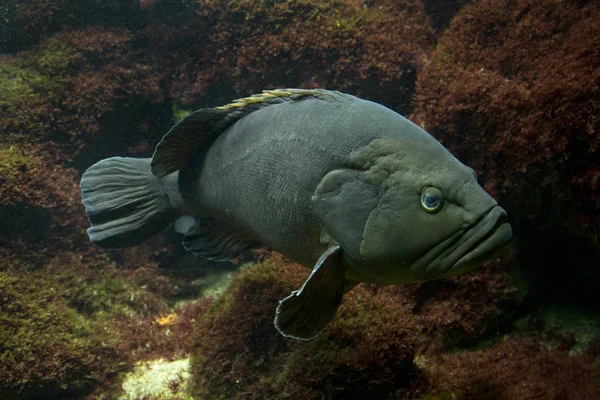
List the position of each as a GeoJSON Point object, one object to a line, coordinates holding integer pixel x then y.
{"type": "Point", "coordinates": [124, 202]}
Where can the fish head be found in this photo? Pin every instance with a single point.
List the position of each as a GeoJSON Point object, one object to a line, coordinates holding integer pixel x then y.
{"type": "Point", "coordinates": [417, 214]}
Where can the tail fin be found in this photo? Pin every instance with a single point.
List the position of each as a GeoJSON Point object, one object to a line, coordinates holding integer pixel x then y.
{"type": "Point", "coordinates": [124, 202]}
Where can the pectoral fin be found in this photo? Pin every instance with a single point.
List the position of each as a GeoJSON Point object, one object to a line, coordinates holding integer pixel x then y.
{"type": "Point", "coordinates": [306, 312]}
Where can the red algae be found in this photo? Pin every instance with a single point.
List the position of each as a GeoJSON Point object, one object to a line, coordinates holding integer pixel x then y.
{"type": "Point", "coordinates": [345, 45]}
{"type": "Point", "coordinates": [514, 369]}
{"type": "Point", "coordinates": [395, 342]}
{"type": "Point", "coordinates": [70, 86]}
{"type": "Point", "coordinates": [75, 321]}
{"type": "Point", "coordinates": [513, 90]}
{"type": "Point", "coordinates": [494, 91]}
{"type": "Point", "coordinates": [26, 22]}
{"type": "Point", "coordinates": [368, 349]}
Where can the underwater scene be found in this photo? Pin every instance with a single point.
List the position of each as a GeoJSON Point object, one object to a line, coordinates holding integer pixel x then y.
{"type": "Point", "coordinates": [300, 199]}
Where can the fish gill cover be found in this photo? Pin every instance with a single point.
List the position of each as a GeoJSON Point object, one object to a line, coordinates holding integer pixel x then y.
{"type": "Point", "coordinates": [511, 88]}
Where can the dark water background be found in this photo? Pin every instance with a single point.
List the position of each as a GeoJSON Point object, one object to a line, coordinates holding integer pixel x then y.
{"type": "Point", "coordinates": [511, 87]}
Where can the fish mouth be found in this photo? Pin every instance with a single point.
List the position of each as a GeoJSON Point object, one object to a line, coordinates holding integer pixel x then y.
{"type": "Point", "coordinates": [467, 249]}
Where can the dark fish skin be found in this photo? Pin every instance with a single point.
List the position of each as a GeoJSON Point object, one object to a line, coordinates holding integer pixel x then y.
{"type": "Point", "coordinates": [341, 185]}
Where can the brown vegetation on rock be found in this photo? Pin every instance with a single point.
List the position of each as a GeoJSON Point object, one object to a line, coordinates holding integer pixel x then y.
{"type": "Point", "coordinates": [25, 22]}
{"type": "Point", "coordinates": [73, 322]}
{"type": "Point", "coordinates": [75, 85]}
{"type": "Point", "coordinates": [517, 83]}
{"type": "Point", "coordinates": [514, 369]}
{"type": "Point", "coordinates": [368, 349]}
{"type": "Point", "coordinates": [246, 46]}
{"type": "Point", "coordinates": [513, 89]}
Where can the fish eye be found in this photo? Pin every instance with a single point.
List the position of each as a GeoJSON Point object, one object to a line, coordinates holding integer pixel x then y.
{"type": "Point", "coordinates": [432, 199]}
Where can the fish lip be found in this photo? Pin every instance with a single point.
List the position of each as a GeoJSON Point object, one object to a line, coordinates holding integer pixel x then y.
{"type": "Point", "coordinates": [494, 239]}
{"type": "Point", "coordinates": [466, 248]}
{"type": "Point", "coordinates": [490, 233]}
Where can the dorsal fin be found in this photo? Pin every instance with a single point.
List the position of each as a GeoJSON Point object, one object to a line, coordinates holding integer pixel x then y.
{"type": "Point", "coordinates": [196, 132]}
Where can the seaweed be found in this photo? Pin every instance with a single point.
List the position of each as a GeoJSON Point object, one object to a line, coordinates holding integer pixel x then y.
{"type": "Point", "coordinates": [345, 45]}
{"type": "Point", "coordinates": [368, 349]}
{"type": "Point", "coordinates": [513, 90]}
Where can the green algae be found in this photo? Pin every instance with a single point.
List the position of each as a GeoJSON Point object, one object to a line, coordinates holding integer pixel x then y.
{"type": "Point", "coordinates": [15, 165]}
{"type": "Point", "coordinates": [226, 328]}
{"type": "Point", "coordinates": [248, 274]}
{"type": "Point", "coordinates": [371, 348]}
{"type": "Point", "coordinates": [100, 299]}
{"type": "Point", "coordinates": [237, 339]}
{"type": "Point", "coordinates": [13, 162]}
{"type": "Point", "coordinates": [19, 84]}
{"type": "Point", "coordinates": [46, 347]}
{"type": "Point", "coordinates": [67, 329]}
{"type": "Point", "coordinates": [33, 73]}
{"type": "Point", "coordinates": [27, 98]}
{"type": "Point", "coordinates": [53, 57]}
{"type": "Point", "coordinates": [33, 83]}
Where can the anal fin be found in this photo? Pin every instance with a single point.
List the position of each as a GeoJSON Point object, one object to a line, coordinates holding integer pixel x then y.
{"type": "Point", "coordinates": [216, 241]}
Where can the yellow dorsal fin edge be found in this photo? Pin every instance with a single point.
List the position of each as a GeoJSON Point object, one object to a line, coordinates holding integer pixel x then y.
{"type": "Point", "coordinates": [262, 97]}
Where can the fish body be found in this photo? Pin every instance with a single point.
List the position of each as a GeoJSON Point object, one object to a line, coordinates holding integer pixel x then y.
{"type": "Point", "coordinates": [262, 173]}
{"type": "Point", "coordinates": [344, 186]}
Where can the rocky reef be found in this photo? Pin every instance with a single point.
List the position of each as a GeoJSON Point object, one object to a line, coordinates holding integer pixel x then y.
{"type": "Point", "coordinates": [450, 339]}
{"type": "Point", "coordinates": [513, 90]}
{"type": "Point", "coordinates": [511, 87]}
{"type": "Point", "coordinates": [347, 44]}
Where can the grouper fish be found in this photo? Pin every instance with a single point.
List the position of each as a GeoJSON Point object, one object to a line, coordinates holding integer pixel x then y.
{"type": "Point", "coordinates": [343, 186]}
